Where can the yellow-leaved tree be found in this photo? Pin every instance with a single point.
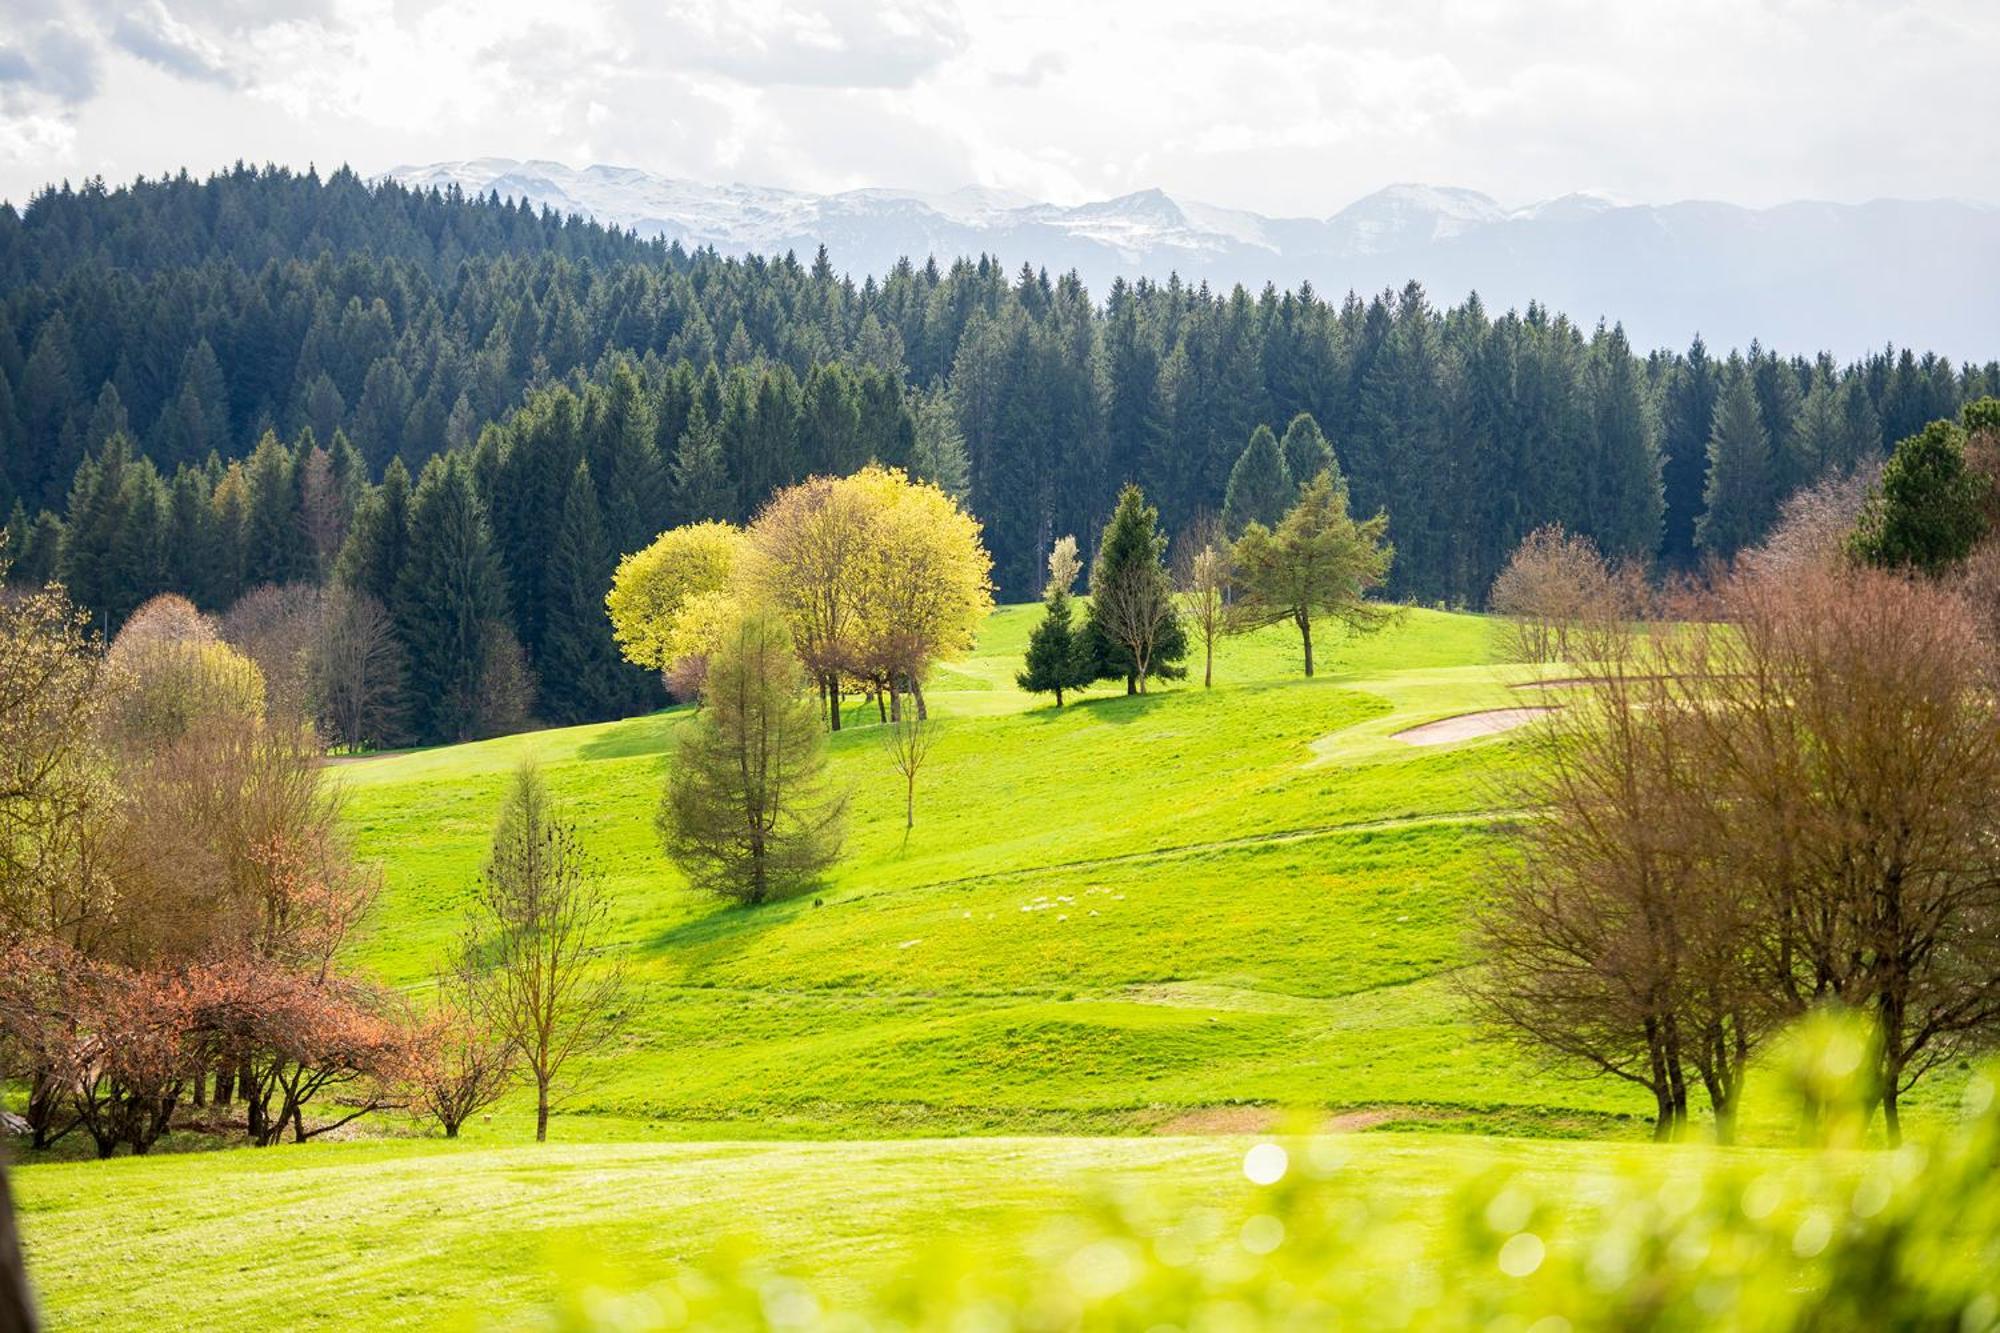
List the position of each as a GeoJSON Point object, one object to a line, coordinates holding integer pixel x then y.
{"type": "Point", "coordinates": [924, 588]}
{"type": "Point", "coordinates": [877, 577]}
{"type": "Point", "coordinates": [671, 602]}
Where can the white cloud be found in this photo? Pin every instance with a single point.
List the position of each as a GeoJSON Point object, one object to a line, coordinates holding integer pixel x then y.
{"type": "Point", "coordinates": [1285, 106]}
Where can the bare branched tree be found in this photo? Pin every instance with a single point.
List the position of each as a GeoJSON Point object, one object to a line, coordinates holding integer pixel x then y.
{"type": "Point", "coordinates": [542, 922]}
{"type": "Point", "coordinates": [460, 1062]}
{"type": "Point", "coordinates": [1789, 805]}
{"type": "Point", "coordinates": [357, 671]}
{"type": "Point", "coordinates": [1202, 571]}
{"type": "Point", "coordinates": [908, 741]}
{"type": "Point", "coordinates": [1562, 599]}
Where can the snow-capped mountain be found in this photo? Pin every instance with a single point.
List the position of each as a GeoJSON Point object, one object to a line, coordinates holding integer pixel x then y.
{"type": "Point", "coordinates": [1800, 276]}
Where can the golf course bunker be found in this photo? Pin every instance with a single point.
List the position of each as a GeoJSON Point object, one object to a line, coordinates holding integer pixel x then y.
{"type": "Point", "coordinates": [1466, 726]}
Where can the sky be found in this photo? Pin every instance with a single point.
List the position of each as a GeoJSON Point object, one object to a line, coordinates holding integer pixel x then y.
{"type": "Point", "coordinates": [1292, 109]}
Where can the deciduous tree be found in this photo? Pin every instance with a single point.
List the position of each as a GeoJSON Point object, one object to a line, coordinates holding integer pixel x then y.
{"type": "Point", "coordinates": [1317, 562]}
{"type": "Point", "coordinates": [541, 924]}
{"type": "Point", "coordinates": [747, 813]}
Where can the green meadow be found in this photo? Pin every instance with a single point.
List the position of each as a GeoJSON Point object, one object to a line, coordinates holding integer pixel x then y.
{"type": "Point", "coordinates": [1121, 936]}
{"type": "Point", "coordinates": [1109, 917]}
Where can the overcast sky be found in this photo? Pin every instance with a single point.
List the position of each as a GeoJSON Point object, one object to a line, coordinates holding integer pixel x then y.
{"type": "Point", "coordinates": [1286, 108]}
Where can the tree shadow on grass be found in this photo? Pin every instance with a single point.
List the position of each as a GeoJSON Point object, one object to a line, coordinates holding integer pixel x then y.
{"type": "Point", "coordinates": [1119, 708]}
{"type": "Point", "coordinates": [650, 734]}
{"type": "Point", "coordinates": [726, 931]}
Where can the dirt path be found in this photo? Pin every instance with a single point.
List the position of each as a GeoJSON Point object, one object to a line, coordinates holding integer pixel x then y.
{"type": "Point", "coordinates": [1465, 726]}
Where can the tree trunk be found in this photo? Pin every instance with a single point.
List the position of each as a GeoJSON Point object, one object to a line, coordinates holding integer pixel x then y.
{"type": "Point", "coordinates": [833, 704]}
{"type": "Point", "coordinates": [1892, 1115]}
{"type": "Point", "coordinates": [1208, 664]}
{"type": "Point", "coordinates": [17, 1304]}
{"type": "Point", "coordinates": [451, 1129]}
{"type": "Point", "coordinates": [541, 1108]}
{"type": "Point", "coordinates": [917, 693]}
{"type": "Point", "coordinates": [225, 1085]}
{"type": "Point", "coordinates": [1306, 637]}
{"type": "Point", "coordinates": [199, 1092]}
{"type": "Point", "coordinates": [895, 701]}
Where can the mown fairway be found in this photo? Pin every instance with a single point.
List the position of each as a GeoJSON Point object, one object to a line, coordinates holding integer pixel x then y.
{"type": "Point", "coordinates": [1175, 914]}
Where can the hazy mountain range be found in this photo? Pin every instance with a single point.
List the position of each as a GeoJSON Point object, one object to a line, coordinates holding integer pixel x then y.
{"type": "Point", "coordinates": [1799, 276]}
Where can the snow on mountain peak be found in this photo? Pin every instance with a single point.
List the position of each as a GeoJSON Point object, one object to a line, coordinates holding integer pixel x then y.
{"type": "Point", "coordinates": [1735, 273]}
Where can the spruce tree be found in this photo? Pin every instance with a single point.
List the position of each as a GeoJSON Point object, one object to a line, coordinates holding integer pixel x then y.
{"type": "Point", "coordinates": [1688, 418]}
{"type": "Point", "coordinates": [1260, 487]}
{"type": "Point", "coordinates": [1626, 506]}
{"type": "Point", "coordinates": [580, 669]}
{"type": "Point", "coordinates": [1819, 440]}
{"type": "Point", "coordinates": [1739, 498]}
{"type": "Point", "coordinates": [619, 427]}
{"type": "Point", "coordinates": [701, 488]}
{"type": "Point", "coordinates": [449, 604]}
{"type": "Point", "coordinates": [378, 540]}
{"type": "Point", "coordinates": [1134, 629]}
{"type": "Point", "coordinates": [276, 546]}
{"type": "Point", "coordinates": [1306, 450]}
{"type": "Point", "coordinates": [89, 558]}
{"type": "Point", "coordinates": [1058, 656]}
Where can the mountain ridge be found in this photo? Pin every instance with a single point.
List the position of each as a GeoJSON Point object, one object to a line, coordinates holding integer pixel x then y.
{"type": "Point", "coordinates": [1804, 274]}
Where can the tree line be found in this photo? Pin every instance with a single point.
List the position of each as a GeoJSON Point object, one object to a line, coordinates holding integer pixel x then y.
{"type": "Point", "coordinates": [197, 317]}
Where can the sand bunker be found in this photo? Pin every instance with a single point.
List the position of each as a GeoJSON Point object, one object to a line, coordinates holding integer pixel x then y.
{"type": "Point", "coordinates": [1468, 725]}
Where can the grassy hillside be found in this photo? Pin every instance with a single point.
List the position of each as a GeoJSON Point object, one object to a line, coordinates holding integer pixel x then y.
{"type": "Point", "coordinates": [1173, 915]}
{"type": "Point", "coordinates": [1114, 916]}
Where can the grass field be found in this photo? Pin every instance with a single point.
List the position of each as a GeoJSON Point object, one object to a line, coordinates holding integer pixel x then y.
{"type": "Point", "coordinates": [419, 1235]}
{"type": "Point", "coordinates": [1108, 917]}
{"type": "Point", "coordinates": [1120, 932]}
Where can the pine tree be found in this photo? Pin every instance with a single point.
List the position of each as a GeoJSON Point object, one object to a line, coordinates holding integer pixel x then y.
{"type": "Point", "coordinates": [1740, 497]}
{"type": "Point", "coordinates": [701, 487]}
{"type": "Point", "coordinates": [450, 603]}
{"type": "Point", "coordinates": [1261, 486]}
{"type": "Point", "coordinates": [580, 670]}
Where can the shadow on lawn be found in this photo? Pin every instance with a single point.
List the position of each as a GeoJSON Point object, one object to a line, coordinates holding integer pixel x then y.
{"type": "Point", "coordinates": [725, 933]}
{"type": "Point", "coordinates": [651, 734]}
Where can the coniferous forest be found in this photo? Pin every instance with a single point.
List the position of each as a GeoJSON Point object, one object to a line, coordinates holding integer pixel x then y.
{"type": "Point", "coordinates": [467, 410]}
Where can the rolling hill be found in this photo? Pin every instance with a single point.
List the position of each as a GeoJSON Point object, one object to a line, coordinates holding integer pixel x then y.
{"type": "Point", "coordinates": [1123, 936]}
